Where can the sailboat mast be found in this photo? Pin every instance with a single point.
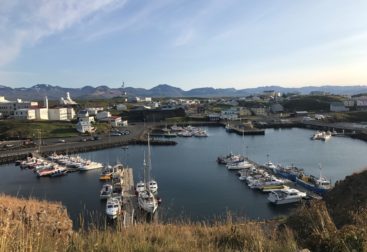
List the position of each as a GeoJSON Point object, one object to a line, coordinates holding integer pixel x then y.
{"type": "Point", "coordinates": [144, 171]}
{"type": "Point", "coordinates": [149, 166]}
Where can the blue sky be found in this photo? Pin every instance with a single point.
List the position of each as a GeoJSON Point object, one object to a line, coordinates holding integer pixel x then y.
{"type": "Point", "coordinates": [188, 44]}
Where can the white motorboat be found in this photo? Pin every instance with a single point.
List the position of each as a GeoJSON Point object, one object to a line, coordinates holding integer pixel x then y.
{"type": "Point", "coordinates": [267, 181]}
{"type": "Point", "coordinates": [321, 135]}
{"type": "Point", "coordinates": [106, 191]}
{"type": "Point", "coordinates": [89, 165]}
{"type": "Point", "coordinates": [239, 165]}
{"type": "Point", "coordinates": [113, 208]}
{"type": "Point", "coordinates": [286, 196]}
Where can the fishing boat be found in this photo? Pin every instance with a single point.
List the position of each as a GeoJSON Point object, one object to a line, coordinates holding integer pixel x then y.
{"type": "Point", "coordinates": [239, 165]}
{"type": "Point", "coordinates": [106, 191]}
{"type": "Point", "coordinates": [288, 172]}
{"type": "Point", "coordinates": [106, 173]}
{"type": "Point", "coordinates": [318, 185]}
{"type": "Point", "coordinates": [230, 158]}
{"type": "Point", "coordinates": [286, 196]}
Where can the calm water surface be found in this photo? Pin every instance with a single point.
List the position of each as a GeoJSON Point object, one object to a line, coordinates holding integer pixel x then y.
{"type": "Point", "coordinates": [191, 183]}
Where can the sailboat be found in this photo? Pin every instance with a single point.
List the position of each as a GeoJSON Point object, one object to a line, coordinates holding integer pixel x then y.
{"type": "Point", "coordinates": [146, 199]}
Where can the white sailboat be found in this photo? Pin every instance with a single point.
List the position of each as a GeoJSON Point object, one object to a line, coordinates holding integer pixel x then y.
{"type": "Point", "coordinates": [146, 199]}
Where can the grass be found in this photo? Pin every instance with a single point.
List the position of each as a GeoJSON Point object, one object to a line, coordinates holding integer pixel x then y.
{"type": "Point", "coordinates": [22, 230]}
{"type": "Point", "coordinates": [13, 129]}
{"type": "Point", "coordinates": [310, 103]}
{"type": "Point", "coordinates": [353, 116]}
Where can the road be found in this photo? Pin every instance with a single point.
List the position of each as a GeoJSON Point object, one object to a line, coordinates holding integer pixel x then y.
{"type": "Point", "coordinates": [72, 143]}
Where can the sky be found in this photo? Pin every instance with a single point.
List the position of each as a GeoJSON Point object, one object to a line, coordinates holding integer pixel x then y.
{"type": "Point", "coordinates": [187, 44]}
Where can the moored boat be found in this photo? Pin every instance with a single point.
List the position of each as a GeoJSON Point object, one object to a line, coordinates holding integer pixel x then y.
{"type": "Point", "coordinates": [106, 191]}
{"type": "Point", "coordinates": [286, 196]}
{"type": "Point", "coordinates": [113, 207]}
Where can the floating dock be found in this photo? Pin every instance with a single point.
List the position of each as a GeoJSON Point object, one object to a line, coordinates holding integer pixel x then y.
{"type": "Point", "coordinates": [291, 183]}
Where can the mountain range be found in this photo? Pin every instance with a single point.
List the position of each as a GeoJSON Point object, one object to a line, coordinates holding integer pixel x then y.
{"type": "Point", "coordinates": [39, 91]}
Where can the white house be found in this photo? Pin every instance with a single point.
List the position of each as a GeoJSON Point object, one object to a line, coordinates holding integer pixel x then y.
{"type": "Point", "coordinates": [115, 121]}
{"type": "Point", "coordinates": [25, 114]}
{"type": "Point", "coordinates": [41, 113]}
{"type": "Point", "coordinates": [83, 127]}
{"type": "Point", "coordinates": [94, 111]}
{"type": "Point", "coordinates": [102, 115]}
{"type": "Point", "coordinates": [230, 114]}
{"type": "Point", "coordinates": [58, 114]}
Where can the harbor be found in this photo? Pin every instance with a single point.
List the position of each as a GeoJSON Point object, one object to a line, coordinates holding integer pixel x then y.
{"type": "Point", "coordinates": [190, 180]}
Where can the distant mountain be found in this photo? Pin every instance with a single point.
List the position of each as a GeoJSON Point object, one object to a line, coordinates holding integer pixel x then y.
{"type": "Point", "coordinates": [39, 91]}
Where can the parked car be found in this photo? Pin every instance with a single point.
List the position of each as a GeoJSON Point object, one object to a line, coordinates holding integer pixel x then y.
{"type": "Point", "coordinates": [62, 141]}
{"type": "Point", "coordinates": [125, 132]}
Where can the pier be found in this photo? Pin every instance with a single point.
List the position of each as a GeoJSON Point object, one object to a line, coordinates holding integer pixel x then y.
{"type": "Point", "coordinates": [292, 184]}
{"type": "Point", "coordinates": [129, 198]}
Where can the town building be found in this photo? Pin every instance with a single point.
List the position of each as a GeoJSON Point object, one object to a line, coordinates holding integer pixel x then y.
{"type": "Point", "coordinates": [25, 114]}
{"type": "Point", "coordinates": [7, 108]}
{"type": "Point", "coordinates": [229, 114]}
{"type": "Point", "coordinates": [58, 114]}
{"type": "Point", "coordinates": [70, 113]}
{"type": "Point", "coordinates": [41, 113]}
{"type": "Point", "coordinates": [102, 115]}
{"type": "Point", "coordinates": [67, 100]}
{"type": "Point", "coordinates": [276, 108]}
{"type": "Point", "coordinates": [84, 127]}
{"type": "Point", "coordinates": [214, 117]}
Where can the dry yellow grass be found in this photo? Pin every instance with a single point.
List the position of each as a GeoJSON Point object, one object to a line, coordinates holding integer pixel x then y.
{"type": "Point", "coordinates": [32, 225]}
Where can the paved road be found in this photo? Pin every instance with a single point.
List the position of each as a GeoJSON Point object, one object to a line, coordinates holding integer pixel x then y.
{"type": "Point", "coordinates": [54, 144]}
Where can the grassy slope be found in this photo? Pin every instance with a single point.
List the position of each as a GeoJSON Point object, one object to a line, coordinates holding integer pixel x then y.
{"type": "Point", "coordinates": [310, 103]}
{"type": "Point", "coordinates": [30, 129]}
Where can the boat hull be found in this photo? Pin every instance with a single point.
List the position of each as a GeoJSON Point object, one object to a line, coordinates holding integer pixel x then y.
{"type": "Point", "coordinates": [311, 187]}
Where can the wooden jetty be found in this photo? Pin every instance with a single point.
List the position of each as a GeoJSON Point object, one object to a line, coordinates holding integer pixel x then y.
{"type": "Point", "coordinates": [129, 198]}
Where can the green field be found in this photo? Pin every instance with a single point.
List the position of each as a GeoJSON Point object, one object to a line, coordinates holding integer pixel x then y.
{"type": "Point", "coordinates": [12, 129]}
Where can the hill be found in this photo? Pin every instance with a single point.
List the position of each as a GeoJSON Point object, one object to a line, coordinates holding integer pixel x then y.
{"type": "Point", "coordinates": [39, 91]}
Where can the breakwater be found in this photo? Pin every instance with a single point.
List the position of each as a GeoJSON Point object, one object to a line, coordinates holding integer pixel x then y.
{"type": "Point", "coordinates": [71, 148]}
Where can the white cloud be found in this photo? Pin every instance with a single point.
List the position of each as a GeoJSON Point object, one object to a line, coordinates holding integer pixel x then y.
{"type": "Point", "coordinates": [27, 22]}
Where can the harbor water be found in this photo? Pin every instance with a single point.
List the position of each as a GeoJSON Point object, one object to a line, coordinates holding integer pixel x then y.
{"type": "Point", "coordinates": [191, 183]}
